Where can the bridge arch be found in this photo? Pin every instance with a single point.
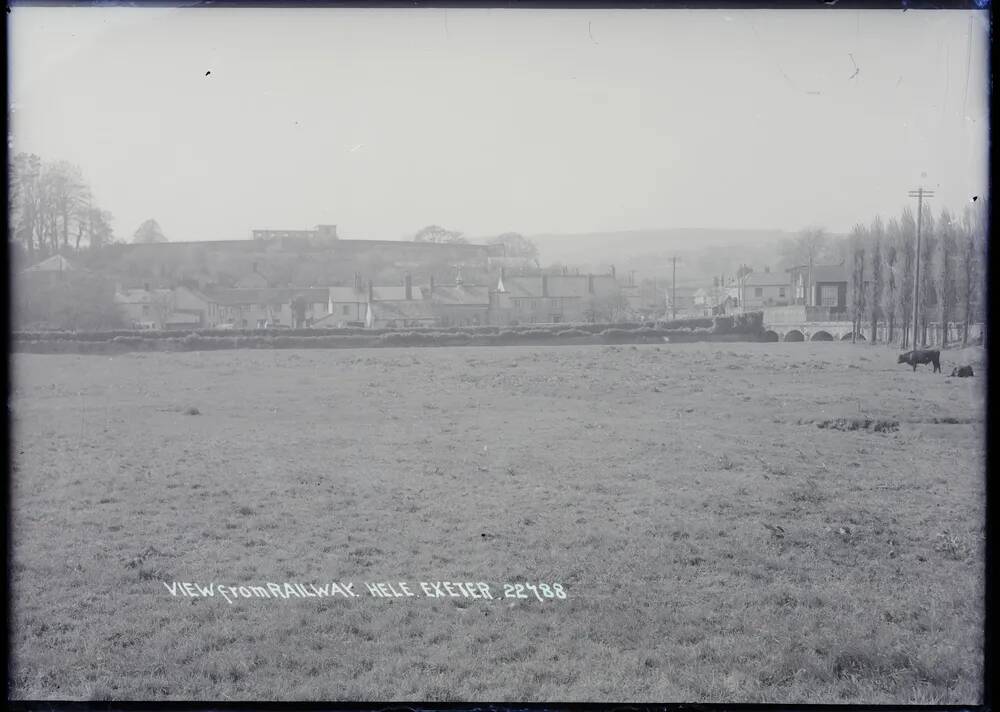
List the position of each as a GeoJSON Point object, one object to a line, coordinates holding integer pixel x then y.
{"type": "Point", "coordinates": [770, 335]}
{"type": "Point", "coordinates": [847, 337]}
{"type": "Point", "coordinates": [794, 335]}
{"type": "Point", "coordinates": [822, 336]}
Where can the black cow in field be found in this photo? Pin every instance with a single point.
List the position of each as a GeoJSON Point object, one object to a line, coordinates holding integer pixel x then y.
{"type": "Point", "coordinates": [915, 358]}
{"type": "Point", "coordinates": [962, 372]}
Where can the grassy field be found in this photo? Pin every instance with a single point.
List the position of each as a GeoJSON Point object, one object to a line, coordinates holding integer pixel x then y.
{"type": "Point", "coordinates": [715, 543]}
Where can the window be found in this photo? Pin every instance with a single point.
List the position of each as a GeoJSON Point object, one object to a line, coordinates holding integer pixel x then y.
{"type": "Point", "coordinates": [346, 309]}
{"type": "Point", "coordinates": [145, 310]}
{"type": "Point", "coordinates": [800, 289]}
{"type": "Point", "coordinates": [758, 291]}
{"type": "Point", "coordinates": [781, 292]}
{"type": "Point", "coordinates": [828, 296]}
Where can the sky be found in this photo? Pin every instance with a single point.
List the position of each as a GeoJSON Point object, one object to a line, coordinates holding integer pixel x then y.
{"type": "Point", "coordinates": [219, 121]}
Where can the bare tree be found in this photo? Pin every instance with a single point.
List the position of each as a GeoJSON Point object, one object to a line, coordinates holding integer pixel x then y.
{"type": "Point", "coordinates": [516, 245]}
{"type": "Point", "coordinates": [67, 195]}
{"type": "Point", "coordinates": [889, 296]}
{"type": "Point", "coordinates": [971, 264]}
{"type": "Point", "coordinates": [806, 249]}
{"type": "Point", "coordinates": [859, 236]}
{"type": "Point", "coordinates": [876, 236]}
{"type": "Point", "coordinates": [906, 262]}
{"type": "Point", "coordinates": [944, 270]}
{"type": "Point", "coordinates": [928, 286]}
{"type": "Point", "coordinates": [25, 198]}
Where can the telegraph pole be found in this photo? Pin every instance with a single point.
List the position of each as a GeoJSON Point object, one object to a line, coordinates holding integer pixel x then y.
{"type": "Point", "coordinates": [673, 290]}
{"type": "Point", "coordinates": [919, 194]}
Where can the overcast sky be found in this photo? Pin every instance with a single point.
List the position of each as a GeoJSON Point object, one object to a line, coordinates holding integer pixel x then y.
{"type": "Point", "coordinates": [486, 121]}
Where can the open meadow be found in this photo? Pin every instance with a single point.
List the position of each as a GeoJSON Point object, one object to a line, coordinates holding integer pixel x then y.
{"type": "Point", "coordinates": [715, 543]}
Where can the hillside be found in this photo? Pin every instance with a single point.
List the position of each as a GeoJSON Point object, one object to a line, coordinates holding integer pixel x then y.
{"type": "Point", "coordinates": [701, 252]}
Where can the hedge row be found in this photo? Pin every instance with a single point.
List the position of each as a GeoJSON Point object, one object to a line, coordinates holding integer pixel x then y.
{"type": "Point", "coordinates": [201, 342]}
{"type": "Point", "coordinates": [743, 323]}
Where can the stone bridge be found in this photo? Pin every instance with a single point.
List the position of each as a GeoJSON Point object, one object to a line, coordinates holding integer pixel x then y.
{"type": "Point", "coordinates": [801, 323]}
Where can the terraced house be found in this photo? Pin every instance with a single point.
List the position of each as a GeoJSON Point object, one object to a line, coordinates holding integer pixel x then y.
{"type": "Point", "coordinates": [263, 308]}
{"type": "Point", "coordinates": [459, 304]}
{"type": "Point", "coordinates": [552, 299]}
{"type": "Point", "coordinates": [397, 307]}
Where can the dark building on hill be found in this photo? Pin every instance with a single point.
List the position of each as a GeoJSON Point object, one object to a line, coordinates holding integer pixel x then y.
{"type": "Point", "coordinates": [322, 232]}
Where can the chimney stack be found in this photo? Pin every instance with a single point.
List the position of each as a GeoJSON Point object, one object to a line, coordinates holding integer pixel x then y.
{"type": "Point", "coordinates": [409, 287]}
{"type": "Point", "coordinates": [612, 270]}
{"type": "Point", "coordinates": [371, 292]}
{"type": "Point", "coordinates": [545, 285]}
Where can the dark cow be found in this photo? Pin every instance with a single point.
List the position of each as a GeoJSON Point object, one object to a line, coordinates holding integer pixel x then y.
{"type": "Point", "coordinates": [915, 358]}
{"type": "Point", "coordinates": [962, 372]}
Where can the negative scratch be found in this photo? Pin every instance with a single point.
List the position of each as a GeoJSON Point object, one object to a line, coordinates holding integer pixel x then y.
{"type": "Point", "coordinates": [857, 69]}
{"type": "Point", "coordinates": [589, 32]}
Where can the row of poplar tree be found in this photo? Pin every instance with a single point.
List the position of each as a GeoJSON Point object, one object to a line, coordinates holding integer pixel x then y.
{"type": "Point", "coordinates": [952, 274]}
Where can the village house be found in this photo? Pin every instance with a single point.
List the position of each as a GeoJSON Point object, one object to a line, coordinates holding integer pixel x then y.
{"type": "Point", "coordinates": [459, 304]}
{"type": "Point", "coordinates": [269, 307]}
{"type": "Point", "coordinates": [346, 306]}
{"type": "Point", "coordinates": [821, 286]}
{"type": "Point", "coordinates": [51, 268]}
{"type": "Point", "coordinates": [765, 289]}
{"type": "Point", "coordinates": [397, 307]}
{"type": "Point", "coordinates": [553, 299]}
{"type": "Point", "coordinates": [144, 308]}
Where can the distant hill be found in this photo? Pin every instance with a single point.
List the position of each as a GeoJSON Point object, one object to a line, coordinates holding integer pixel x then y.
{"type": "Point", "coordinates": [701, 252]}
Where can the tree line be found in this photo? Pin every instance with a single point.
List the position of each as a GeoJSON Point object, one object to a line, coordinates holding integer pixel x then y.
{"type": "Point", "coordinates": [881, 260]}
{"type": "Point", "coordinates": [52, 208]}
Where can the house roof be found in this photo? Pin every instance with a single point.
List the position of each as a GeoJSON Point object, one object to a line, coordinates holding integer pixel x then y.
{"type": "Point", "coordinates": [460, 295]}
{"type": "Point", "coordinates": [825, 273]}
{"type": "Point", "coordinates": [392, 293]}
{"type": "Point", "coordinates": [274, 295]}
{"type": "Point", "coordinates": [559, 286]}
{"type": "Point", "coordinates": [140, 296]}
{"type": "Point", "coordinates": [197, 293]}
{"type": "Point", "coordinates": [409, 310]}
{"type": "Point", "coordinates": [252, 280]}
{"type": "Point", "coordinates": [55, 263]}
{"type": "Point", "coordinates": [348, 294]}
{"type": "Point", "coordinates": [767, 279]}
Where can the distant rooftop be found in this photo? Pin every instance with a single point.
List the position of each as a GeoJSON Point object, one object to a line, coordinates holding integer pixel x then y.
{"type": "Point", "coordinates": [55, 263]}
